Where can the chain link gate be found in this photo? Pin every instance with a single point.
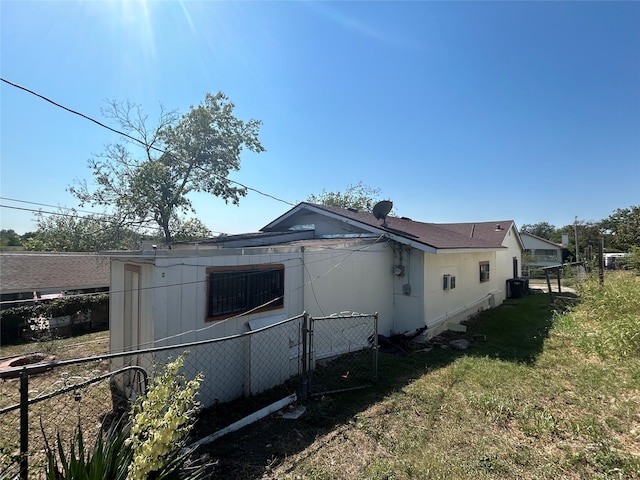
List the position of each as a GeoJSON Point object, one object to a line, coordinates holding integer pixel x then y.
{"type": "Point", "coordinates": [342, 353]}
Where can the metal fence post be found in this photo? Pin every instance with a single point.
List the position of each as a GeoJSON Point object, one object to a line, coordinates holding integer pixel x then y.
{"type": "Point", "coordinates": [24, 424]}
{"type": "Point", "coordinates": [309, 355]}
{"type": "Point", "coordinates": [305, 369]}
{"type": "Point", "coordinates": [375, 347]}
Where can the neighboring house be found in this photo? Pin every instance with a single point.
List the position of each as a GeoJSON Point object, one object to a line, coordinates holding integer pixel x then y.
{"type": "Point", "coordinates": [317, 259]}
{"type": "Point", "coordinates": [544, 253]}
{"type": "Point", "coordinates": [26, 276]}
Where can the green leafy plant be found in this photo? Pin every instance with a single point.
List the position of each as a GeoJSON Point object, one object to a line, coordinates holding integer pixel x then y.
{"type": "Point", "coordinates": [14, 320]}
{"type": "Point", "coordinates": [161, 421]}
{"type": "Point", "coordinates": [609, 314]}
{"type": "Point", "coordinates": [149, 444]}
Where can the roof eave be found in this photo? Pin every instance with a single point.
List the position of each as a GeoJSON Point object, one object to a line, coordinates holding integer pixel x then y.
{"type": "Point", "coordinates": [470, 250]}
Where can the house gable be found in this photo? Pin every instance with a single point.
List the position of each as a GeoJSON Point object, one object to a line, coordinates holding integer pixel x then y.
{"type": "Point", "coordinates": [532, 242]}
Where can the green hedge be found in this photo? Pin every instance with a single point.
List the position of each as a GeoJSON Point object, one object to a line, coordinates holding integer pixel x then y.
{"type": "Point", "coordinates": [15, 319]}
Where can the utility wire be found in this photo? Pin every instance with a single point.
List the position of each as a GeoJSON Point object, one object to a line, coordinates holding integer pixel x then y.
{"type": "Point", "coordinates": [70, 215]}
{"type": "Point", "coordinates": [132, 138]}
{"type": "Point", "coordinates": [49, 205]}
{"type": "Point", "coordinates": [93, 216]}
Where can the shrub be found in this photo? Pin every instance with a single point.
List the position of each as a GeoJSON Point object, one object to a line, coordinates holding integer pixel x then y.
{"type": "Point", "coordinates": [148, 445]}
{"type": "Point", "coordinates": [161, 421]}
{"type": "Point", "coordinates": [108, 459]}
{"type": "Point", "coordinates": [17, 318]}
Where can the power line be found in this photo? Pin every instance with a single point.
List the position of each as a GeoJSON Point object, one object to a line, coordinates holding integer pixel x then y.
{"type": "Point", "coordinates": [132, 138]}
{"type": "Point", "coordinates": [70, 215]}
{"type": "Point", "coordinates": [49, 205]}
{"type": "Point", "coordinates": [93, 216]}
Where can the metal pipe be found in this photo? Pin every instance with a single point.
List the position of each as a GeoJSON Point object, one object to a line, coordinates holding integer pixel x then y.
{"type": "Point", "coordinates": [24, 424]}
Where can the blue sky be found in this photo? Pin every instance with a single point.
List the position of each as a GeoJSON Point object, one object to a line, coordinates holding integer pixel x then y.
{"type": "Point", "coordinates": [456, 111]}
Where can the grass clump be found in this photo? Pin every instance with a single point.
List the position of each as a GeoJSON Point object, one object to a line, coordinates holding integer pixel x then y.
{"type": "Point", "coordinates": [609, 315]}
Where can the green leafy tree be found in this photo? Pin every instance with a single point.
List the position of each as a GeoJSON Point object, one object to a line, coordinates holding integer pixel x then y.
{"type": "Point", "coordinates": [68, 232]}
{"type": "Point", "coordinates": [192, 229]}
{"type": "Point", "coordinates": [9, 238]}
{"type": "Point", "coordinates": [589, 235]}
{"type": "Point", "coordinates": [358, 196]}
{"type": "Point", "coordinates": [622, 228]}
{"type": "Point", "coordinates": [194, 152]}
{"type": "Point", "coordinates": [541, 229]}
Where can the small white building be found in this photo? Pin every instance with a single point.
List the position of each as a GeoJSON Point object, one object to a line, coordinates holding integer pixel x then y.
{"type": "Point", "coordinates": [544, 253]}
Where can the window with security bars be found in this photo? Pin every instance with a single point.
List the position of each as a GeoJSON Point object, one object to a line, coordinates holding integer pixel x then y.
{"type": "Point", "coordinates": [235, 290]}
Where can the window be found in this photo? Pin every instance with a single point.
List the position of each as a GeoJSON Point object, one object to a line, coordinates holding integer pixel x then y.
{"type": "Point", "coordinates": [484, 271]}
{"type": "Point", "coordinates": [448, 281]}
{"type": "Point", "coordinates": [235, 290]}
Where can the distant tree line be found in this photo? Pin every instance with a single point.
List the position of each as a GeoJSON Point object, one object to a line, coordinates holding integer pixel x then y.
{"type": "Point", "coordinates": [69, 232]}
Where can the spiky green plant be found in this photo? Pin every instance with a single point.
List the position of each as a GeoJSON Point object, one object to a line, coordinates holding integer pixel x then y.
{"type": "Point", "coordinates": [107, 459]}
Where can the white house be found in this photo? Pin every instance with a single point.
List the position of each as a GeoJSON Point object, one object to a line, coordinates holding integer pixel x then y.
{"type": "Point", "coordinates": [317, 259]}
{"type": "Point", "coordinates": [544, 253]}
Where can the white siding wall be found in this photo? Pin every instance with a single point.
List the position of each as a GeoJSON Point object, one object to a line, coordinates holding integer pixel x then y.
{"type": "Point", "coordinates": [354, 279]}
{"type": "Point", "coordinates": [181, 303]}
{"type": "Point", "coordinates": [145, 328]}
{"type": "Point", "coordinates": [116, 301]}
{"type": "Point", "coordinates": [407, 307]}
{"type": "Point", "coordinates": [469, 296]}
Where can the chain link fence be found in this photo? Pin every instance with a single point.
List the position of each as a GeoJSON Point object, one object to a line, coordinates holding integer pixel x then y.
{"type": "Point", "coordinates": [40, 401]}
{"type": "Point", "coordinates": [343, 353]}
{"type": "Point", "coordinates": [37, 403]}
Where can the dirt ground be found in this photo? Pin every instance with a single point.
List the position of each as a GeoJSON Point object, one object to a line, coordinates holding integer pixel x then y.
{"type": "Point", "coordinates": [255, 450]}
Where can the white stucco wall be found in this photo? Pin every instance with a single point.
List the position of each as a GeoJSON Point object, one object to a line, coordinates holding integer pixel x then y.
{"type": "Point", "coordinates": [357, 278]}
{"type": "Point", "coordinates": [408, 290]}
{"type": "Point", "coordinates": [469, 295]}
{"type": "Point", "coordinates": [181, 293]}
{"type": "Point", "coordinates": [504, 259]}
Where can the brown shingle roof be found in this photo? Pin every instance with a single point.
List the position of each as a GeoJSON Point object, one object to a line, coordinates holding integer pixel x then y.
{"type": "Point", "coordinates": [25, 272]}
{"type": "Point", "coordinates": [437, 235]}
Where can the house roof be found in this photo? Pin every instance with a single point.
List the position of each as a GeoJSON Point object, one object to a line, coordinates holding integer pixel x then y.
{"type": "Point", "coordinates": [26, 272]}
{"type": "Point", "coordinates": [540, 239]}
{"type": "Point", "coordinates": [255, 239]}
{"type": "Point", "coordinates": [433, 236]}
